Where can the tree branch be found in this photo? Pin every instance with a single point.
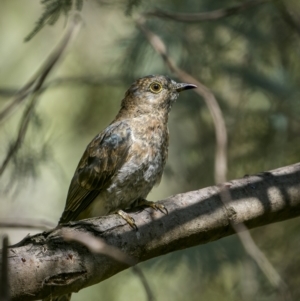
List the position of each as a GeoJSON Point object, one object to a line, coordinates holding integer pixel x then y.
{"type": "Point", "coordinates": [255, 253]}
{"type": "Point", "coordinates": [210, 100]}
{"type": "Point", "coordinates": [35, 83]}
{"type": "Point", "coordinates": [26, 224]}
{"type": "Point", "coordinates": [46, 264]}
{"type": "Point", "coordinates": [64, 81]}
{"type": "Point", "coordinates": [288, 16]}
{"type": "Point", "coordinates": [38, 81]}
{"type": "Point", "coordinates": [99, 246]}
{"type": "Point", "coordinates": [205, 16]}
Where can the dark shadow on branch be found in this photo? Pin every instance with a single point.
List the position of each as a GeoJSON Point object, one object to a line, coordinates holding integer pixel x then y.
{"type": "Point", "coordinates": [53, 266]}
{"type": "Point", "coordinates": [254, 252]}
{"type": "Point", "coordinates": [99, 246]}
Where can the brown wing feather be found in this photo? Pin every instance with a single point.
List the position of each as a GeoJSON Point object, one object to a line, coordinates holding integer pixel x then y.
{"type": "Point", "coordinates": [106, 153]}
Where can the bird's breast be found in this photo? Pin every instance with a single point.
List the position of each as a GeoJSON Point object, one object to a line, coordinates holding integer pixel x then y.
{"type": "Point", "coordinates": [149, 151]}
{"type": "Point", "coordinates": [142, 169]}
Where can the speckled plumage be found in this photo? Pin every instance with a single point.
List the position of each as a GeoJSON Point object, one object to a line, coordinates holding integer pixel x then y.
{"type": "Point", "coordinates": [123, 163]}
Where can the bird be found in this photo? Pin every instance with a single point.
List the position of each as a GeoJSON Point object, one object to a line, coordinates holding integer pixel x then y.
{"type": "Point", "coordinates": [121, 165]}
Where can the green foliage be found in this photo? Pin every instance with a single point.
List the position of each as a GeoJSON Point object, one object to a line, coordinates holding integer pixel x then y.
{"type": "Point", "coordinates": [54, 8]}
{"type": "Point", "coordinates": [251, 62]}
{"type": "Point", "coordinates": [52, 11]}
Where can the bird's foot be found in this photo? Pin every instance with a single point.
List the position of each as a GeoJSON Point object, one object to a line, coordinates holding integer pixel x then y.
{"type": "Point", "coordinates": [128, 219]}
{"type": "Point", "coordinates": [155, 206]}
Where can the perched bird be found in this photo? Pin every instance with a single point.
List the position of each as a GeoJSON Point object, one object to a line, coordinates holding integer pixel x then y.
{"type": "Point", "coordinates": [121, 165]}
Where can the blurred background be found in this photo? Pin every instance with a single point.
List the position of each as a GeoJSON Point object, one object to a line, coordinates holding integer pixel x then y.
{"type": "Point", "coordinates": [251, 62]}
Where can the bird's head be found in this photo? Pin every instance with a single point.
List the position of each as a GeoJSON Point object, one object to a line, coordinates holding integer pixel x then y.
{"type": "Point", "coordinates": [153, 92]}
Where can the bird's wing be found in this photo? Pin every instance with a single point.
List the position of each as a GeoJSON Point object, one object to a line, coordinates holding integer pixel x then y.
{"type": "Point", "coordinates": [106, 153]}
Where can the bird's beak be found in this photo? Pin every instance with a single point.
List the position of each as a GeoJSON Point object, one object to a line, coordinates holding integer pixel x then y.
{"type": "Point", "coordinates": [181, 87]}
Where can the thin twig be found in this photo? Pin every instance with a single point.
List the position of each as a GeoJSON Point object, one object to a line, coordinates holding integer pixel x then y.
{"type": "Point", "coordinates": [17, 99]}
{"type": "Point", "coordinates": [48, 66]}
{"type": "Point", "coordinates": [72, 80]}
{"type": "Point", "coordinates": [288, 16]}
{"type": "Point", "coordinates": [37, 80]}
{"type": "Point", "coordinates": [8, 92]}
{"type": "Point", "coordinates": [27, 224]}
{"type": "Point", "coordinates": [14, 147]}
{"type": "Point", "coordinates": [209, 98]}
{"type": "Point", "coordinates": [147, 288]}
{"type": "Point", "coordinates": [253, 250]}
{"type": "Point", "coordinates": [206, 16]}
{"type": "Point", "coordinates": [4, 284]}
{"type": "Point", "coordinates": [99, 246]}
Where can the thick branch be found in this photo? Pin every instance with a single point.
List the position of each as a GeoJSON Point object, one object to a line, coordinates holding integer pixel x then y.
{"type": "Point", "coordinates": [46, 263]}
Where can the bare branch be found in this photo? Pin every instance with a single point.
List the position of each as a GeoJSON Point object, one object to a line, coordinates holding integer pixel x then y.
{"type": "Point", "coordinates": [206, 16]}
{"type": "Point", "coordinates": [38, 82]}
{"type": "Point", "coordinates": [99, 246]}
{"type": "Point", "coordinates": [26, 224]}
{"type": "Point", "coordinates": [288, 16]}
{"type": "Point", "coordinates": [14, 147]}
{"type": "Point", "coordinates": [7, 92]}
{"type": "Point", "coordinates": [254, 252]}
{"type": "Point", "coordinates": [140, 274]}
{"type": "Point", "coordinates": [209, 98]}
{"type": "Point", "coordinates": [46, 264]}
{"type": "Point", "coordinates": [64, 81]}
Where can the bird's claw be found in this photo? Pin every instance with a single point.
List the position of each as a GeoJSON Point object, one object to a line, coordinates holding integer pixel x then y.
{"type": "Point", "coordinates": [155, 206]}
{"type": "Point", "coordinates": [130, 220]}
{"type": "Point", "coordinates": [159, 207]}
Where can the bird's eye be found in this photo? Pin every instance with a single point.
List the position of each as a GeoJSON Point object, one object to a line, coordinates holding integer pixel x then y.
{"type": "Point", "coordinates": [155, 87]}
